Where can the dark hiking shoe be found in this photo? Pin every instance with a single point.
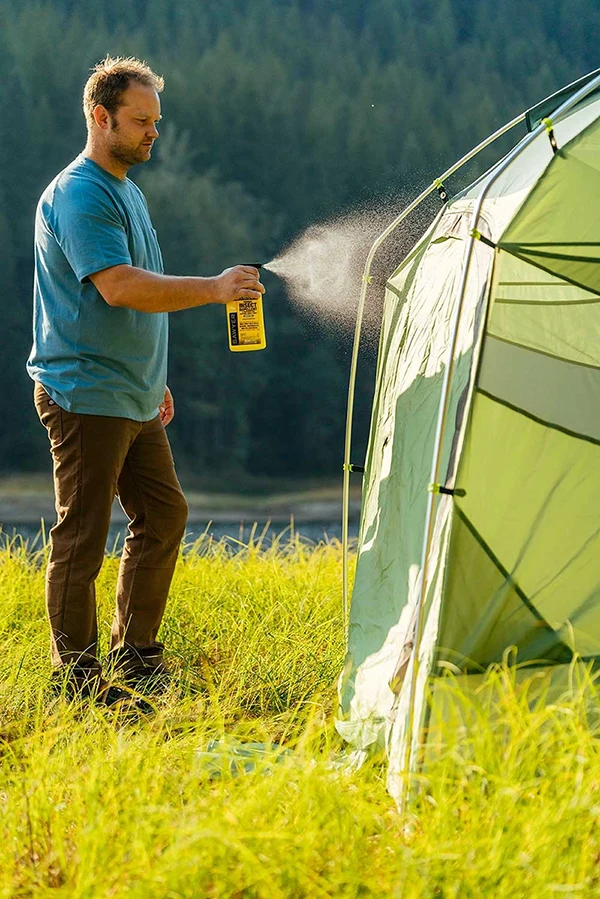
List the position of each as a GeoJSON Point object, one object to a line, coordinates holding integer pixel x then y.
{"type": "Point", "coordinates": [141, 668]}
{"type": "Point", "coordinates": [151, 683]}
{"type": "Point", "coordinates": [123, 702]}
{"type": "Point", "coordinates": [76, 682]}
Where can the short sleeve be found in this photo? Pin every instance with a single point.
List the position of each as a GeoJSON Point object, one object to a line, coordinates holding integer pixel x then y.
{"type": "Point", "coordinates": [89, 229]}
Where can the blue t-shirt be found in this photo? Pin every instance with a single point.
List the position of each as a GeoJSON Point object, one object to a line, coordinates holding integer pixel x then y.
{"type": "Point", "coordinates": [91, 357]}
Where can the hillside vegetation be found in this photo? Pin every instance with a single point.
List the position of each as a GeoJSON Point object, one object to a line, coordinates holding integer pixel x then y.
{"type": "Point", "coordinates": [277, 114]}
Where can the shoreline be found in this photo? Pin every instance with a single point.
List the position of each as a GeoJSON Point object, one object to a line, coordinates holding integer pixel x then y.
{"type": "Point", "coordinates": [27, 501]}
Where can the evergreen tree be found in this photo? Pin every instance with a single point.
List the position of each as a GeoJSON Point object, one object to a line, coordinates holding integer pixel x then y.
{"type": "Point", "coordinates": [277, 113]}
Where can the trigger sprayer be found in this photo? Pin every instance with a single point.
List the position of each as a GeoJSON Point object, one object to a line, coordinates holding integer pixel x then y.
{"type": "Point", "coordinates": [245, 323]}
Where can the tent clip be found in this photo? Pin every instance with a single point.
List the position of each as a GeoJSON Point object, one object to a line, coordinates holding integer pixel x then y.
{"type": "Point", "coordinates": [359, 469]}
{"type": "Point", "coordinates": [551, 137]}
{"type": "Point", "coordinates": [441, 190]}
{"type": "Point", "coordinates": [479, 236]}
{"type": "Point", "coordinates": [449, 491]}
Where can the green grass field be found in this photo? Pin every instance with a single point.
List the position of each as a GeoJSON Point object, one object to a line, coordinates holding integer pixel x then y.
{"type": "Point", "coordinates": [91, 806]}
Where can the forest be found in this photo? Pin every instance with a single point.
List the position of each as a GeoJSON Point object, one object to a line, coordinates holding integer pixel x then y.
{"type": "Point", "coordinates": [276, 114]}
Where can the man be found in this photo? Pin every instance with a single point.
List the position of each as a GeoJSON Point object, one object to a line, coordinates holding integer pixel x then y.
{"type": "Point", "coordinates": [99, 360]}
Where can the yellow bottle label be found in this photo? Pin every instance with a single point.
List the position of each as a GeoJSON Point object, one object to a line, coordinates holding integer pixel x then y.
{"type": "Point", "coordinates": [245, 325]}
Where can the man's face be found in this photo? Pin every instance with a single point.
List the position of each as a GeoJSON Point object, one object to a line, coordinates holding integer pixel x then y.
{"type": "Point", "coordinates": [133, 126]}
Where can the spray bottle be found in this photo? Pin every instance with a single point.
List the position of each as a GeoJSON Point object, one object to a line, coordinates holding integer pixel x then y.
{"type": "Point", "coordinates": [245, 323]}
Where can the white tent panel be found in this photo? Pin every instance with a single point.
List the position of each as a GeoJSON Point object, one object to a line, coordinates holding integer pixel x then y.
{"type": "Point", "coordinates": [416, 335]}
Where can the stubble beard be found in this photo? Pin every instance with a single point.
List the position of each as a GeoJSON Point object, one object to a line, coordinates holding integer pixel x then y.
{"type": "Point", "coordinates": [125, 154]}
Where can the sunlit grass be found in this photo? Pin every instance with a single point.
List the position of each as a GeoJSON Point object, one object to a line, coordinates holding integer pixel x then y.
{"type": "Point", "coordinates": [508, 806]}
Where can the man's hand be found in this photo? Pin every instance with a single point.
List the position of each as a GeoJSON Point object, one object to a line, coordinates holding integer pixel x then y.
{"type": "Point", "coordinates": [238, 283]}
{"type": "Point", "coordinates": [166, 409]}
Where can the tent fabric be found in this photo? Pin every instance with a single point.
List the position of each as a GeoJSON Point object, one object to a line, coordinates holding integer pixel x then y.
{"type": "Point", "coordinates": [531, 497]}
{"type": "Point", "coordinates": [514, 557]}
{"type": "Point", "coordinates": [511, 188]}
{"type": "Point", "coordinates": [414, 343]}
{"type": "Point", "coordinates": [566, 245]}
{"type": "Point", "coordinates": [547, 106]}
{"type": "Point", "coordinates": [535, 309]}
{"type": "Point", "coordinates": [561, 393]}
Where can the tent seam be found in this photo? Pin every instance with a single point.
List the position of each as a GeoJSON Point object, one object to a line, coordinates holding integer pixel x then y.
{"type": "Point", "coordinates": [511, 302]}
{"type": "Point", "coordinates": [509, 577]}
{"type": "Point", "coordinates": [539, 421]}
{"type": "Point", "coordinates": [545, 268]}
{"type": "Point", "coordinates": [531, 349]}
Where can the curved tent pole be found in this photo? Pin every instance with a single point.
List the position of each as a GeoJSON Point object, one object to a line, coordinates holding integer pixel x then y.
{"type": "Point", "coordinates": [438, 184]}
{"type": "Point", "coordinates": [442, 416]}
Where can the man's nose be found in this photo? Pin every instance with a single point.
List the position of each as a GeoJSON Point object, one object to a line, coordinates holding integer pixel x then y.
{"type": "Point", "coordinates": [153, 132]}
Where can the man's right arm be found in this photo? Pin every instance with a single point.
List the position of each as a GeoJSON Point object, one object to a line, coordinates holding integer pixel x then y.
{"type": "Point", "coordinates": [128, 287]}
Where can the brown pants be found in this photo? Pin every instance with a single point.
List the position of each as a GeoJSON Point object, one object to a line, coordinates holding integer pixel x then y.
{"type": "Point", "coordinates": [95, 458]}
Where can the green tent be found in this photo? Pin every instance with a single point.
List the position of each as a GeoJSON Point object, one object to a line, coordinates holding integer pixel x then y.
{"type": "Point", "coordinates": [480, 525]}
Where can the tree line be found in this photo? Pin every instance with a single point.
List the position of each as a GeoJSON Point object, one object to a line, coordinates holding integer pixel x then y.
{"type": "Point", "coordinates": [277, 114]}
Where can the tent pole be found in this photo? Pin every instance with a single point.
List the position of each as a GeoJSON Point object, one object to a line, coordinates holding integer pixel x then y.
{"type": "Point", "coordinates": [357, 335]}
{"type": "Point", "coordinates": [408, 766]}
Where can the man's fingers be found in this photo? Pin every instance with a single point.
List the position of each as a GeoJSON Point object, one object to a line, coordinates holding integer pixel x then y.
{"type": "Point", "coordinates": [255, 286]}
{"type": "Point", "coordinates": [250, 270]}
{"type": "Point", "coordinates": [253, 278]}
{"type": "Point", "coordinates": [245, 294]}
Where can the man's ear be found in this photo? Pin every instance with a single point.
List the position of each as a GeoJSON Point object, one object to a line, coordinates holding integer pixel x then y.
{"type": "Point", "coordinates": [101, 117]}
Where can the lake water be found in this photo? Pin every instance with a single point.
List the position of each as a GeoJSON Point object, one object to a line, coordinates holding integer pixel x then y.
{"type": "Point", "coordinates": [236, 533]}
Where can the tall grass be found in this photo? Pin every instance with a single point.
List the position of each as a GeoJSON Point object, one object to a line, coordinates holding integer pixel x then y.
{"type": "Point", "coordinates": [91, 806]}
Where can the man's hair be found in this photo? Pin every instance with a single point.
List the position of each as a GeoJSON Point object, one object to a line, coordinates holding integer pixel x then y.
{"type": "Point", "coordinates": [109, 80]}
